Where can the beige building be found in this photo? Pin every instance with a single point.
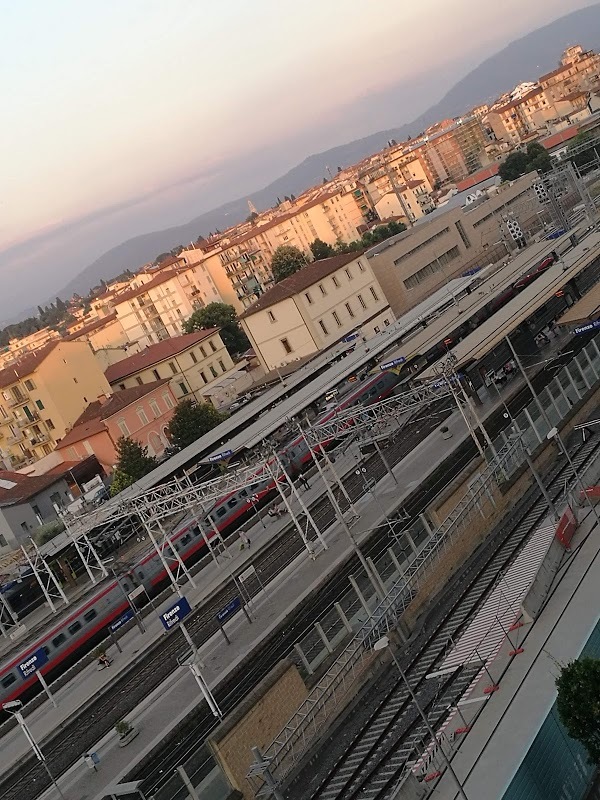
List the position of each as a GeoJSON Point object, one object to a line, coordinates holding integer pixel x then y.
{"type": "Point", "coordinates": [42, 395]}
{"type": "Point", "coordinates": [157, 309]}
{"type": "Point", "coordinates": [315, 308]}
{"type": "Point", "coordinates": [443, 245]}
{"type": "Point", "coordinates": [197, 365]}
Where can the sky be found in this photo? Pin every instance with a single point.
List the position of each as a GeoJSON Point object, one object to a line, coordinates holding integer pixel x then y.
{"type": "Point", "coordinates": [126, 116]}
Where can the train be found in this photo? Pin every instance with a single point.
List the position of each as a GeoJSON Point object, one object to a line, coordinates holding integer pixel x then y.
{"type": "Point", "coordinates": [77, 633]}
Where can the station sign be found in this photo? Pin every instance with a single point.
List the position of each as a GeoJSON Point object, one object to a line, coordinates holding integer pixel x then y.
{"type": "Point", "coordinates": [590, 326]}
{"type": "Point", "coordinates": [394, 363]}
{"type": "Point", "coordinates": [32, 663]}
{"type": "Point", "coordinates": [122, 620]}
{"type": "Point", "coordinates": [220, 456]}
{"type": "Point", "coordinates": [351, 337]}
{"type": "Point", "coordinates": [229, 610]}
{"type": "Point", "coordinates": [173, 615]}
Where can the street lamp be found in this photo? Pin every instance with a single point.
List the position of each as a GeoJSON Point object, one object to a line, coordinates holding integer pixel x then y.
{"type": "Point", "coordinates": [382, 644]}
{"type": "Point", "coordinates": [13, 708]}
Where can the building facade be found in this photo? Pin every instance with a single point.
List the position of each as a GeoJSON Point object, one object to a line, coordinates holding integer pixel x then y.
{"type": "Point", "coordinates": [315, 308]}
{"type": "Point", "coordinates": [42, 395]}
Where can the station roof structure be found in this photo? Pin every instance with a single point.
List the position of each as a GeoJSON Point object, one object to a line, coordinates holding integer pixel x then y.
{"type": "Point", "coordinates": [585, 310]}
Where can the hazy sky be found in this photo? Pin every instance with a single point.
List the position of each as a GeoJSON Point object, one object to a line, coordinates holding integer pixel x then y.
{"type": "Point", "coordinates": [139, 109]}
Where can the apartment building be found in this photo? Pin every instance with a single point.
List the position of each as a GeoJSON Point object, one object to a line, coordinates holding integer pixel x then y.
{"type": "Point", "coordinates": [315, 308]}
{"type": "Point", "coordinates": [456, 148]}
{"type": "Point", "coordinates": [141, 413]}
{"type": "Point", "coordinates": [197, 365]}
{"type": "Point", "coordinates": [579, 70]}
{"type": "Point", "coordinates": [414, 264]}
{"type": "Point", "coordinates": [157, 308]}
{"type": "Point", "coordinates": [42, 395]}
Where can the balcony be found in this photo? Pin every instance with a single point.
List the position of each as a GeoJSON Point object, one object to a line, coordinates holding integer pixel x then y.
{"type": "Point", "coordinates": [15, 438]}
{"type": "Point", "coordinates": [18, 400]}
{"type": "Point", "coordinates": [39, 438]}
{"type": "Point", "coordinates": [25, 422]}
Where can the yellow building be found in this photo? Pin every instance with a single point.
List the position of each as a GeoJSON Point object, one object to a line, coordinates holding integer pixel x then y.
{"type": "Point", "coordinates": [197, 365]}
{"type": "Point", "coordinates": [42, 395]}
{"type": "Point", "coordinates": [315, 308]}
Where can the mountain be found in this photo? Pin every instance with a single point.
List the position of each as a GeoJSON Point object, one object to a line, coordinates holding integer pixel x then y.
{"type": "Point", "coordinates": [524, 59]}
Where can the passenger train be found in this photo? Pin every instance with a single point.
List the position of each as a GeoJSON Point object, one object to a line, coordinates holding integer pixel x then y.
{"type": "Point", "coordinates": [82, 628]}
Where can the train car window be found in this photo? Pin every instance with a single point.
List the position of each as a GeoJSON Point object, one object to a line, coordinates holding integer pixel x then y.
{"type": "Point", "coordinates": [89, 615]}
{"type": "Point", "coordinates": [187, 538]}
{"type": "Point", "coordinates": [140, 575]}
{"type": "Point", "coordinates": [221, 512]}
{"type": "Point", "coordinates": [76, 626]}
{"type": "Point", "coordinates": [10, 678]}
{"type": "Point", "coordinates": [46, 650]}
{"type": "Point", "coordinates": [196, 531]}
{"type": "Point", "coordinates": [233, 502]}
{"type": "Point", "coordinates": [58, 640]}
{"type": "Point", "coordinates": [244, 493]}
{"type": "Point", "coordinates": [380, 384]}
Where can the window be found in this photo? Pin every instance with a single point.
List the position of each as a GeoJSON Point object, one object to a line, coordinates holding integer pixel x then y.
{"type": "Point", "coordinates": [143, 416]}
{"type": "Point", "coordinates": [89, 615]}
{"type": "Point", "coordinates": [271, 316]}
{"type": "Point", "coordinates": [29, 385]}
{"type": "Point", "coordinates": [336, 283]}
{"type": "Point", "coordinates": [323, 290]}
{"type": "Point", "coordinates": [430, 269]}
{"type": "Point", "coordinates": [3, 541]}
{"type": "Point", "coordinates": [462, 233]}
{"type": "Point", "coordinates": [213, 347]}
{"type": "Point", "coordinates": [414, 250]}
{"type": "Point", "coordinates": [349, 274]}
{"type": "Point", "coordinates": [386, 322]}
{"type": "Point", "coordinates": [323, 327]}
{"type": "Point", "coordinates": [50, 424]}
{"type": "Point", "coordinates": [122, 425]}
{"type": "Point", "coordinates": [308, 298]}
{"type": "Point", "coordinates": [194, 357]}
{"type": "Point", "coordinates": [25, 527]}
{"type": "Point", "coordinates": [39, 404]}
{"type": "Point", "coordinates": [361, 300]}
{"type": "Point", "coordinates": [203, 351]}
{"type": "Point", "coordinates": [6, 682]}
{"type": "Point", "coordinates": [138, 380]}
{"type": "Point", "coordinates": [58, 640]}
{"type": "Point", "coordinates": [76, 626]}
{"type": "Point", "coordinates": [168, 400]}
{"type": "Point", "coordinates": [173, 368]}
{"type": "Point", "coordinates": [349, 309]}
{"type": "Point", "coordinates": [361, 266]}
{"type": "Point", "coordinates": [286, 346]}
{"type": "Point", "coordinates": [374, 294]}
{"type": "Point", "coordinates": [213, 371]}
{"type": "Point", "coordinates": [337, 319]}
{"type": "Point", "coordinates": [156, 375]}
{"type": "Point", "coordinates": [203, 376]}
{"type": "Point", "coordinates": [154, 408]}
{"type": "Point", "coordinates": [122, 387]}
{"type": "Point", "coordinates": [183, 387]}
{"type": "Point", "coordinates": [222, 365]}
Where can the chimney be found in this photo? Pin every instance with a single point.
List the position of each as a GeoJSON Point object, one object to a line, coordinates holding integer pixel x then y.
{"type": "Point", "coordinates": [102, 398]}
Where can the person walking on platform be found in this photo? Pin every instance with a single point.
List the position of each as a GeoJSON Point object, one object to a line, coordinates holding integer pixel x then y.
{"type": "Point", "coordinates": [304, 481]}
{"type": "Point", "coordinates": [244, 540]}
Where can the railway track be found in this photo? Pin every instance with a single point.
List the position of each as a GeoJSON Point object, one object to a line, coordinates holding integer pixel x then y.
{"type": "Point", "coordinates": [374, 759]}
{"type": "Point", "coordinates": [79, 735]}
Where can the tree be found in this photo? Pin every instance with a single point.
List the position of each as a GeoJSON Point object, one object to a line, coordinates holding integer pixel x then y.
{"type": "Point", "coordinates": [581, 159]}
{"type": "Point", "coordinates": [579, 703]}
{"type": "Point", "coordinates": [192, 420]}
{"type": "Point", "coordinates": [321, 250]}
{"type": "Point", "coordinates": [286, 260]}
{"type": "Point", "coordinates": [132, 464]}
{"type": "Point", "coordinates": [223, 316]}
{"type": "Point", "coordinates": [536, 157]}
{"type": "Point", "coordinates": [48, 531]}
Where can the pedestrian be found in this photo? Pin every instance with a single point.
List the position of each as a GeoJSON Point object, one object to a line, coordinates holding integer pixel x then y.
{"type": "Point", "coordinates": [244, 540]}
{"type": "Point", "coordinates": [304, 481]}
{"type": "Point", "coordinates": [275, 512]}
{"type": "Point", "coordinates": [91, 761]}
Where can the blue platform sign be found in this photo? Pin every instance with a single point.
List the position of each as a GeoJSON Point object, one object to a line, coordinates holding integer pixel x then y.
{"type": "Point", "coordinates": [32, 663]}
{"type": "Point", "coordinates": [590, 326]}
{"type": "Point", "coordinates": [393, 363]}
{"type": "Point", "coordinates": [220, 456]}
{"type": "Point", "coordinates": [351, 337]}
{"type": "Point", "coordinates": [118, 623]}
{"type": "Point", "coordinates": [229, 610]}
{"type": "Point", "coordinates": [173, 615]}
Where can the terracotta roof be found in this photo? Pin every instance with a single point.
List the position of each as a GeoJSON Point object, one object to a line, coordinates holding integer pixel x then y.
{"type": "Point", "coordinates": [25, 365]}
{"type": "Point", "coordinates": [156, 353]}
{"type": "Point", "coordinates": [555, 72]}
{"type": "Point", "coordinates": [478, 177]}
{"type": "Point", "coordinates": [305, 277]}
{"type": "Point", "coordinates": [92, 326]}
{"type": "Point", "coordinates": [24, 489]}
{"type": "Point", "coordinates": [518, 101]}
{"type": "Point", "coordinates": [560, 137]}
{"type": "Point", "coordinates": [82, 431]}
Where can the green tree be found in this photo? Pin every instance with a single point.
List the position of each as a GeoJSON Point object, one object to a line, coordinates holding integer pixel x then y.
{"type": "Point", "coordinates": [223, 316]}
{"type": "Point", "coordinates": [192, 420]}
{"type": "Point", "coordinates": [132, 464]}
{"type": "Point", "coordinates": [513, 166]}
{"type": "Point", "coordinates": [538, 158]}
{"type": "Point", "coordinates": [581, 159]}
{"type": "Point", "coordinates": [286, 260]}
{"type": "Point", "coordinates": [579, 703]}
{"type": "Point", "coordinates": [48, 531]}
{"type": "Point", "coordinates": [321, 250]}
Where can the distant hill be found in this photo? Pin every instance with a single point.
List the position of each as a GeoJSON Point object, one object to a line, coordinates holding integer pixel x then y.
{"type": "Point", "coordinates": [523, 59]}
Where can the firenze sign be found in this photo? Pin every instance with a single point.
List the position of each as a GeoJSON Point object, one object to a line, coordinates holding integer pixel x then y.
{"type": "Point", "coordinates": [33, 663]}
{"type": "Point", "coordinates": [172, 616]}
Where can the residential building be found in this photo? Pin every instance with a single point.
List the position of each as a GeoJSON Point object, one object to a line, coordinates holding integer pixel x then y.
{"type": "Point", "coordinates": [197, 365]}
{"type": "Point", "coordinates": [407, 202]}
{"type": "Point", "coordinates": [469, 231]}
{"type": "Point", "coordinates": [157, 308]}
{"type": "Point", "coordinates": [26, 502]}
{"type": "Point", "coordinates": [42, 395]}
{"type": "Point", "coordinates": [17, 348]}
{"type": "Point", "coordinates": [315, 308]}
{"type": "Point", "coordinates": [578, 70]}
{"type": "Point", "coordinates": [141, 413]}
{"type": "Point", "coordinates": [456, 148]}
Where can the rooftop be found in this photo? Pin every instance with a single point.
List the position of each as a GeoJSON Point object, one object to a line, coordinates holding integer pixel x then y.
{"type": "Point", "coordinates": [25, 365]}
{"type": "Point", "coordinates": [301, 280]}
{"type": "Point", "coordinates": [163, 276]}
{"type": "Point", "coordinates": [16, 488]}
{"type": "Point", "coordinates": [92, 326]}
{"type": "Point", "coordinates": [156, 353]}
